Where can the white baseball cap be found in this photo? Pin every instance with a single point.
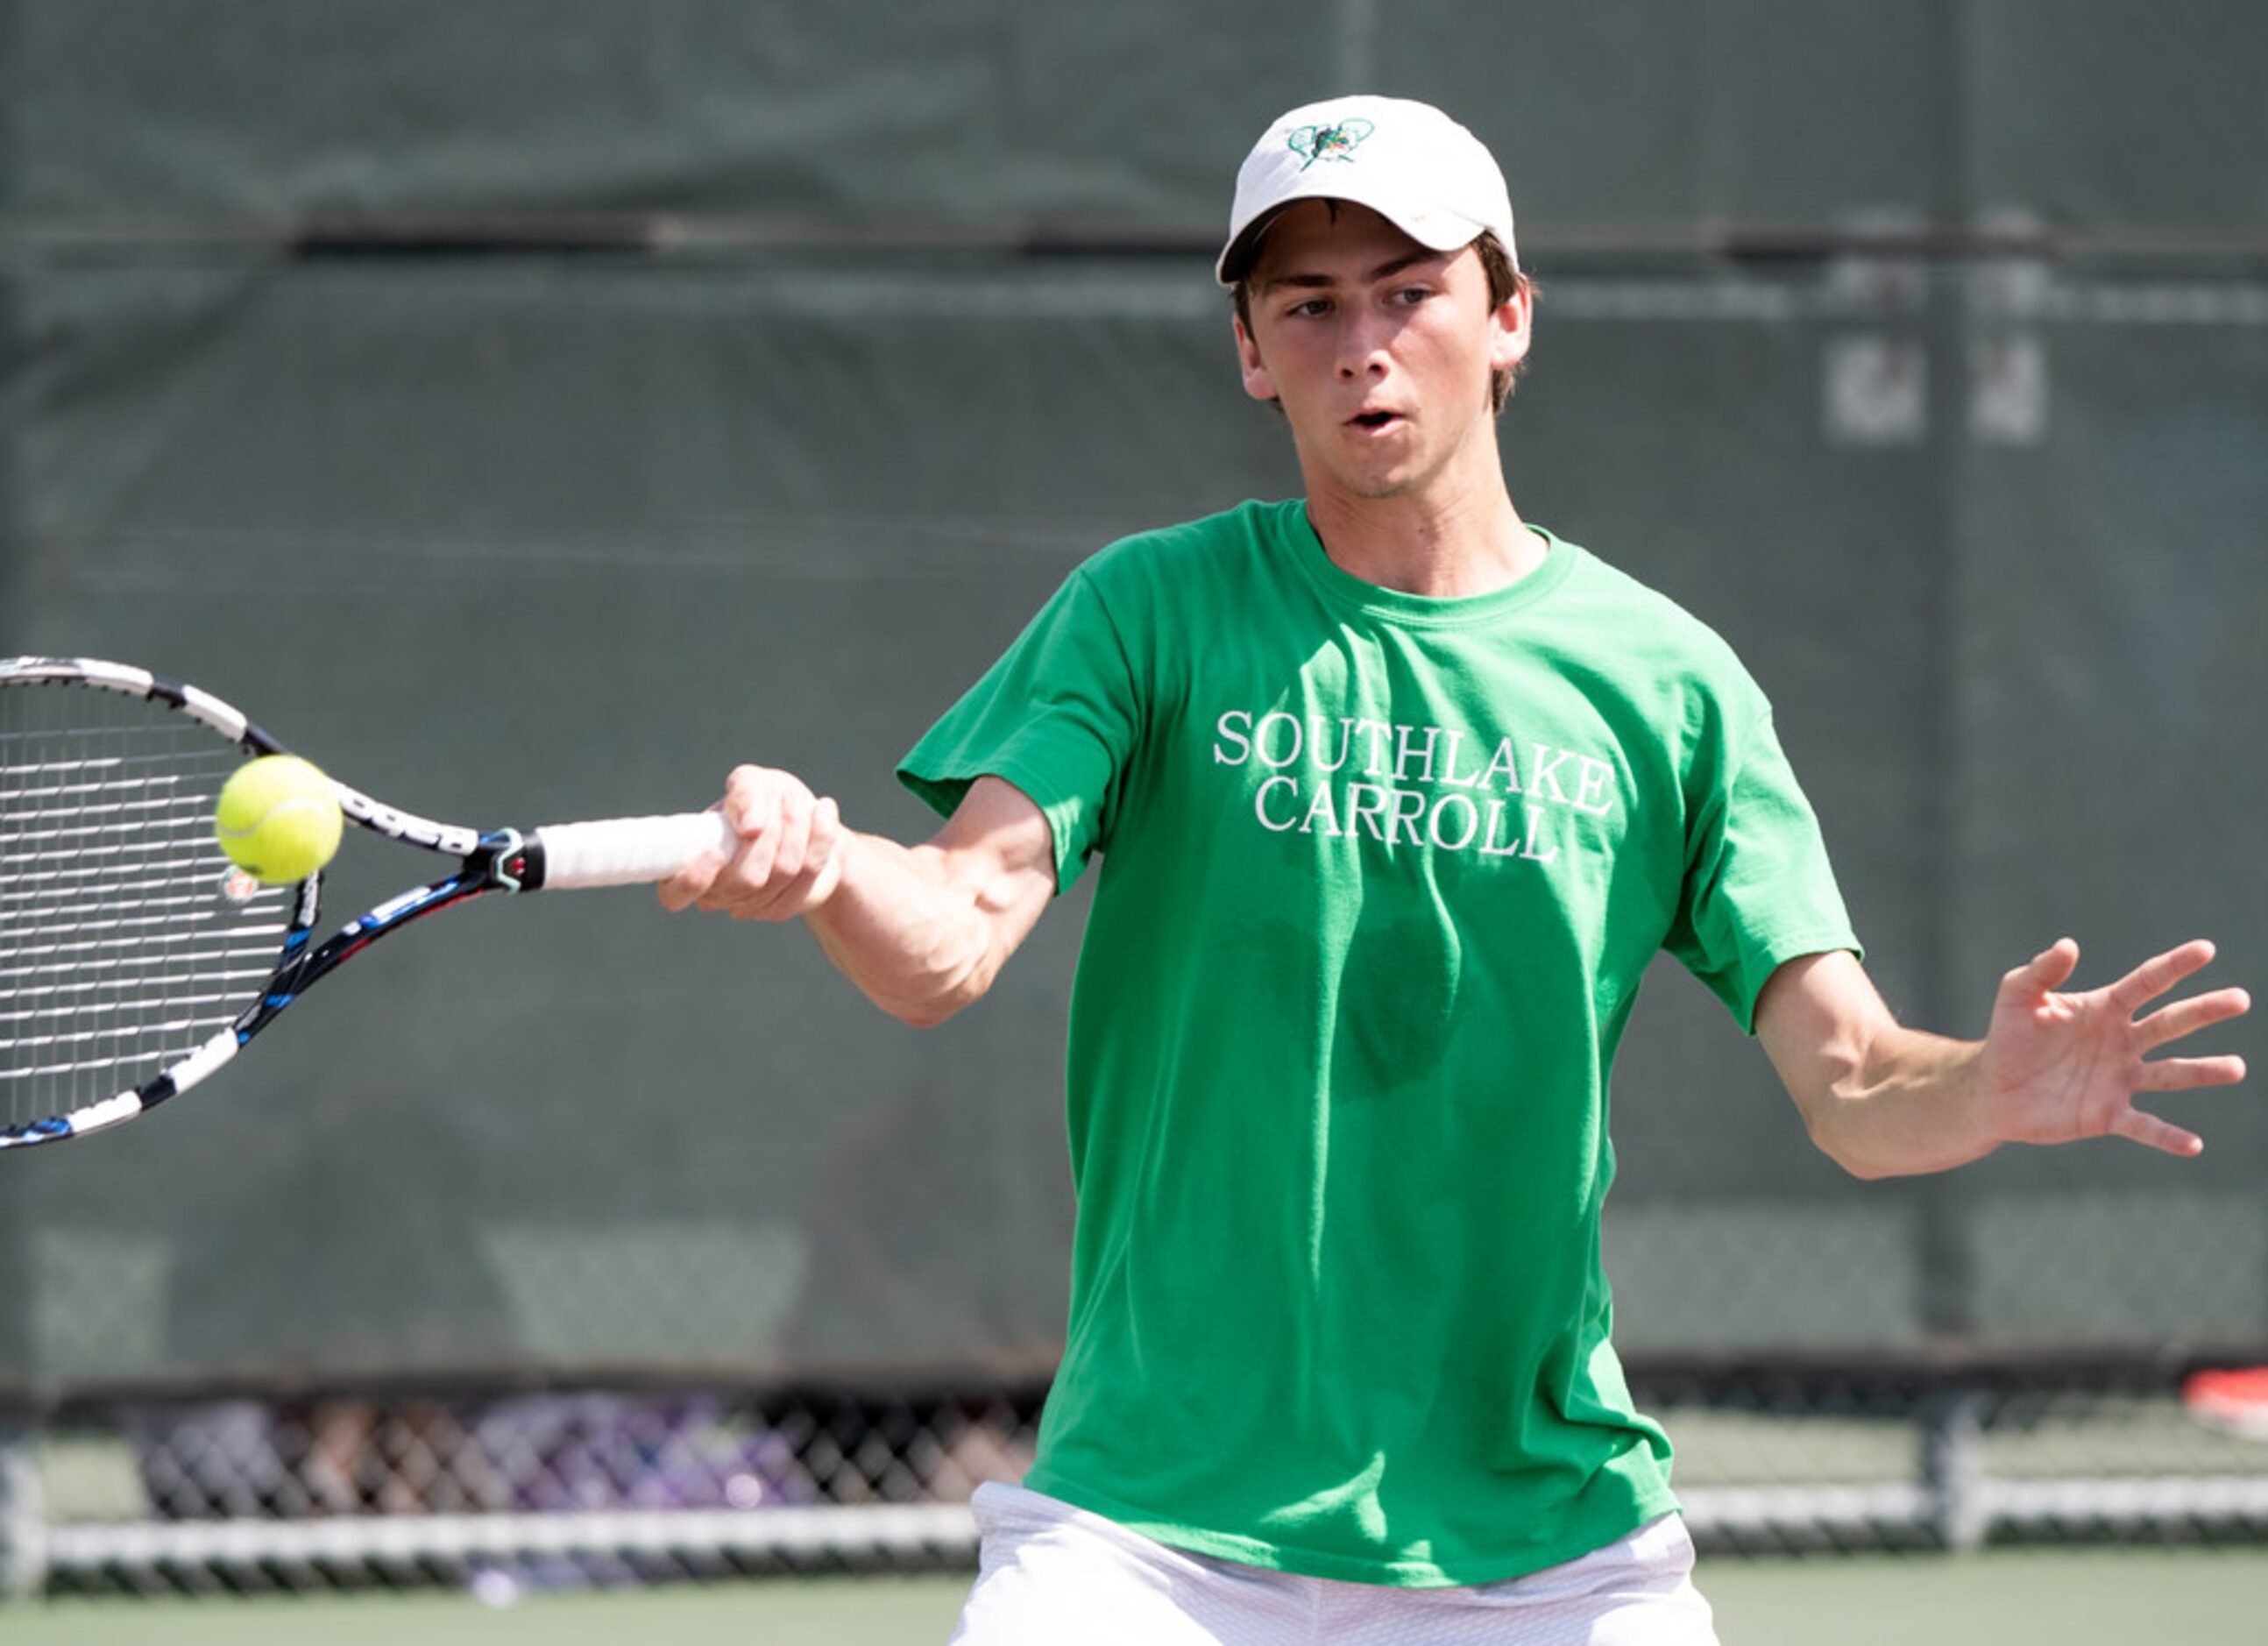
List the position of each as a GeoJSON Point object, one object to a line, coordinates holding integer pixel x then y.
{"type": "Point", "coordinates": [1407, 161]}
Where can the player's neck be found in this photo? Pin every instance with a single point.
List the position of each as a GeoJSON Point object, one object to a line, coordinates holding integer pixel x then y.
{"type": "Point", "coordinates": [1444, 546]}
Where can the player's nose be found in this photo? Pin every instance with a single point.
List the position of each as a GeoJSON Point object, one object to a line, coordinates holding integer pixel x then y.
{"type": "Point", "coordinates": [1362, 351]}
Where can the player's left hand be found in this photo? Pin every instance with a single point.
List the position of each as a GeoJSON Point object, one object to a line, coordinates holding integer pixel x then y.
{"type": "Point", "coordinates": [2055, 1067]}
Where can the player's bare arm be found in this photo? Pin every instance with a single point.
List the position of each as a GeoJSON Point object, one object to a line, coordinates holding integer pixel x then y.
{"type": "Point", "coordinates": [922, 930]}
{"type": "Point", "coordinates": [1883, 1100]}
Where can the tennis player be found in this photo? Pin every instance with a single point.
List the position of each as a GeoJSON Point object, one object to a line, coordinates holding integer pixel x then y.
{"type": "Point", "coordinates": [1395, 795]}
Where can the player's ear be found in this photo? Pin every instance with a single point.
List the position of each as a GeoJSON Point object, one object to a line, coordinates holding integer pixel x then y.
{"type": "Point", "coordinates": [1259, 382]}
{"type": "Point", "coordinates": [1510, 331]}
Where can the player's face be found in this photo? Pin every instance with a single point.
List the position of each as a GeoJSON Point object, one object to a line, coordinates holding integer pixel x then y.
{"type": "Point", "coordinates": [1379, 349]}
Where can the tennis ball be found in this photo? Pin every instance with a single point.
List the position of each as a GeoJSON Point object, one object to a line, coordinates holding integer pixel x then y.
{"type": "Point", "coordinates": [277, 819]}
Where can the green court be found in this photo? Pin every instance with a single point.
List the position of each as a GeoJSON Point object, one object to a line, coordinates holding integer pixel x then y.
{"type": "Point", "coordinates": [2084, 1597]}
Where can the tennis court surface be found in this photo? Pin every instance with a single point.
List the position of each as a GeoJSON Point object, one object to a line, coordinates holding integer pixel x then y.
{"type": "Point", "coordinates": [2072, 1598]}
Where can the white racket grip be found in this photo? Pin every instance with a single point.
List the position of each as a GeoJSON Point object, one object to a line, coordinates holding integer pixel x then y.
{"type": "Point", "coordinates": [629, 850]}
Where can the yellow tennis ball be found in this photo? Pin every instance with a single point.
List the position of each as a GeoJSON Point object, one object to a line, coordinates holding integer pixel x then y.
{"type": "Point", "coordinates": [277, 819]}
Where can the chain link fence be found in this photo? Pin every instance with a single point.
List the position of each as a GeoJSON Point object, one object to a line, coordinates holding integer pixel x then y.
{"type": "Point", "coordinates": [527, 1491]}
{"type": "Point", "coordinates": [564, 1488]}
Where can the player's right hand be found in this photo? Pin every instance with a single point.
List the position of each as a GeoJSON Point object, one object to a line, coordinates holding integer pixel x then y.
{"type": "Point", "coordinates": [789, 856]}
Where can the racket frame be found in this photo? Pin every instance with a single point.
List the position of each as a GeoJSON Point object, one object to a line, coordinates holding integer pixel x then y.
{"type": "Point", "coordinates": [499, 861]}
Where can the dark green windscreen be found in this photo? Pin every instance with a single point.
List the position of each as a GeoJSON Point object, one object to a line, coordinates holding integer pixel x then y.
{"type": "Point", "coordinates": [1972, 475]}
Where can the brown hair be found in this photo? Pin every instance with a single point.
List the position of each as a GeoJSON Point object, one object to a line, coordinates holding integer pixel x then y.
{"type": "Point", "coordinates": [1504, 281]}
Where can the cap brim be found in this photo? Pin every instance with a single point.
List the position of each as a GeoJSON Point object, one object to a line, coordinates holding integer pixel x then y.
{"type": "Point", "coordinates": [1437, 229]}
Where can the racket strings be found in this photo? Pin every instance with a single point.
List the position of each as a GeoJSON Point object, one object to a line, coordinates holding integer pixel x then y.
{"type": "Point", "coordinates": [126, 940]}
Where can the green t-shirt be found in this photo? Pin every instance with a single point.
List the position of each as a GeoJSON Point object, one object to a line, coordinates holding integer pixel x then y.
{"type": "Point", "coordinates": [1381, 874]}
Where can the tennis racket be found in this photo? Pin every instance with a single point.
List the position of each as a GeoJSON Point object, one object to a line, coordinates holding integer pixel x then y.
{"type": "Point", "coordinates": [135, 958]}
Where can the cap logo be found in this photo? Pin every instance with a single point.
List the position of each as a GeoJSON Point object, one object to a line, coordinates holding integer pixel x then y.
{"type": "Point", "coordinates": [1329, 142]}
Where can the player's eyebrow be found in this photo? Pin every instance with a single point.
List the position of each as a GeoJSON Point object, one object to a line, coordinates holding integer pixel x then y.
{"type": "Point", "coordinates": [1387, 270]}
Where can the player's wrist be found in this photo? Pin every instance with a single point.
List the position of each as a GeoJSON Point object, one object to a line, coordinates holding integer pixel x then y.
{"type": "Point", "coordinates": [829, 878]}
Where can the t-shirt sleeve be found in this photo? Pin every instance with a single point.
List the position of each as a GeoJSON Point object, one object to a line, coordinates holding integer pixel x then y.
{"type": "Point", "coordinates": [1758, 890]}
{"type": "Point", "coordinates": [1057, 716]}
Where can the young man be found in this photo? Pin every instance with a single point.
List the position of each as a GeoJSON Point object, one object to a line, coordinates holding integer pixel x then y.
{"type": "Point", "coordinates": [1396, 796]}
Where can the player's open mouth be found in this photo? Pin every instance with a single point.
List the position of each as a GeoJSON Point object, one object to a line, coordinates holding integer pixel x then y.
{"type": "Point", "coordinates": [1374, 419]}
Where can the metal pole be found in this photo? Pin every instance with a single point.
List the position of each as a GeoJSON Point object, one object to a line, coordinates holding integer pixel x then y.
{"type": "Point", "coordinates": [23, 1512]}
{"type": "Point", "coordinates": [1953, 1467]}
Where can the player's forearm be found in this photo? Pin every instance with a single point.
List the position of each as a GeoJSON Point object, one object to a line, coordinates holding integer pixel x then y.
{"type": "Point", "coordinates": [1881, 1099]}
{"type": "Point", "coordinates": [920, 941]}
{"type": "Point", "coordinates": [1899, 1102]}
{"type": "Point", "coordinates": [923, 930]}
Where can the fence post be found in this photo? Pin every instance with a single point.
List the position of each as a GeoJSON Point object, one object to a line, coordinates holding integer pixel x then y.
{"type": "Point", "coordinates": [1952, 1466]}
{"type": "Point", "coordinates": [23, 1512]}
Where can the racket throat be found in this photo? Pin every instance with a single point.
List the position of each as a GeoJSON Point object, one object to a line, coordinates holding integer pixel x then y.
{"type": "Point", "coordinates": [508, 861]}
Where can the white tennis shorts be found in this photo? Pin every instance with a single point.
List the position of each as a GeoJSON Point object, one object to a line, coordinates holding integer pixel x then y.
{"type": "Point", "coordinates": [1052, 1574]}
